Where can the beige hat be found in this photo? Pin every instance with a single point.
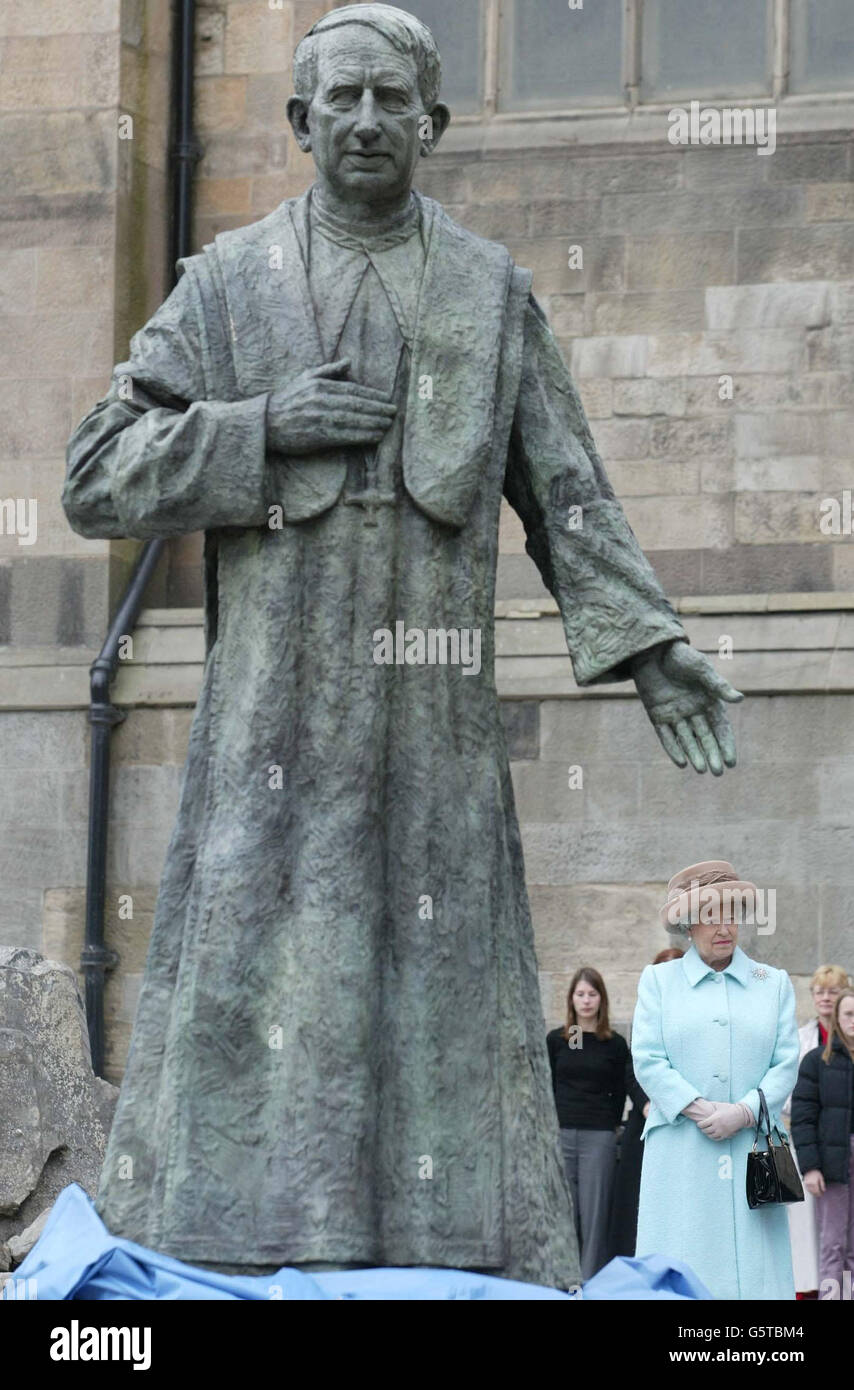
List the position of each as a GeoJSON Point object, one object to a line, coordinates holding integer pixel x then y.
{"type": "Point", "coordinates": [701, 892]}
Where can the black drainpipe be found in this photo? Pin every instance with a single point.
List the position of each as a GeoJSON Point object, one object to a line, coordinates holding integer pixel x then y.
{"type": "Point", "coordinates": [103, 715]}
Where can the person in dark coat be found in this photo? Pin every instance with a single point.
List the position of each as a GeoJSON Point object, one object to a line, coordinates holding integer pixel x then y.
{"type": "Point", "coordinates": [823, 1135]}
{"type": "Point", "coordinates": [624, 1213]}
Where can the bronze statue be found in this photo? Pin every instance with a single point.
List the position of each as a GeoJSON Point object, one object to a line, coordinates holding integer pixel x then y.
{"type": "Point", "coordinates": [339, 1055]}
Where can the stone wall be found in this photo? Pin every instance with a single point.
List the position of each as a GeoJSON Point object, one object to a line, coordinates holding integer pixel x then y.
{"type": "Point", "coordinates": [82, 239]}
{"type": "Point", "coordinates": [597, 857]}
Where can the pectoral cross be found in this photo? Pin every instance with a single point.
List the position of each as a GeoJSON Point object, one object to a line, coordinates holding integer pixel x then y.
{"type": "Point", "coordinates": [372, 498]}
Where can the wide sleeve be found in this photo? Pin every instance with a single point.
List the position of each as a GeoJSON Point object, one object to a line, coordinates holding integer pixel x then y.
{"type": "Point", "coordinates": [610, 600]}
{"type": "Point", "coordinates": [156, 457]}
{"type": "Point", "coordinates": [666, 1087]}
{"type": "Point", "coordinates": [780, 1077]}
{"type": "Point", "coordinates": [806, 1106]}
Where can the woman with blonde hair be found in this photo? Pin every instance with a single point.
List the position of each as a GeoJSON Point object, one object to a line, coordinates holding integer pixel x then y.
{"type": "Point", "coordinates": [588, 1062]}
{"type": "Point", "coordinates": [826, 986]}
{"type": "Point", "coordinates": [823, 1133]}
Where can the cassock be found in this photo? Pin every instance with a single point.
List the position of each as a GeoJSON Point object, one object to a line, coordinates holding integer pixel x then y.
{"type": "Point", "coordinates": [339, 1053]}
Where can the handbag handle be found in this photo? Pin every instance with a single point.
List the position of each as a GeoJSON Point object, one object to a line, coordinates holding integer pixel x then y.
{"type": "Point", "coordinates": [765, 1116]}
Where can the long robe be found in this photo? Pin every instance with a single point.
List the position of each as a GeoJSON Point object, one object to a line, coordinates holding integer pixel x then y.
{"type": "Point", "coordinates": [339, 1053]}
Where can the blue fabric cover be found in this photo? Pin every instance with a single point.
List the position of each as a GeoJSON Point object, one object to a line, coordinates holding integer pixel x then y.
{"type": "Point", "coordinates": [77, 1258]}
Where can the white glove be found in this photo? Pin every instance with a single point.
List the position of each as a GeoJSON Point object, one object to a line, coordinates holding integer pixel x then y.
{"type": "Point", "coordinates": [699, 1109]}
{"type": "Point", "coordinates": [726, 1120]}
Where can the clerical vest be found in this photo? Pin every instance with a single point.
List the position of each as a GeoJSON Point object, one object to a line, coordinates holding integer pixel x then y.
{"type": "Point", "coordinates": [472, 297]}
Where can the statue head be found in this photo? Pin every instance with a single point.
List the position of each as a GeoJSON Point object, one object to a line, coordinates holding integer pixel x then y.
{"type": "Point", "coordinates": [367, 80]}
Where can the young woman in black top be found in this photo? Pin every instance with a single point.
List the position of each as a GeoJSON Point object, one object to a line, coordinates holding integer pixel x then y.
{"type": "Point", "coordinates": [588, 1063]}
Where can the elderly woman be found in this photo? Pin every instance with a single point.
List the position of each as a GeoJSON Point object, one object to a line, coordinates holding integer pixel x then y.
{"type": "Point", "coordinates": [709, 1031]}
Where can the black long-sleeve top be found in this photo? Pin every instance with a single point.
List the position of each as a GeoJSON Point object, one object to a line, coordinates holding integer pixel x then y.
{"type": "Point", "coordinates": [589, 1081]}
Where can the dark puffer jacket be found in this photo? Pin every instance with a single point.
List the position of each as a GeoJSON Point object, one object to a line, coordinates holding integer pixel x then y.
{"type": "Point", "coordinates": [821, 1113]}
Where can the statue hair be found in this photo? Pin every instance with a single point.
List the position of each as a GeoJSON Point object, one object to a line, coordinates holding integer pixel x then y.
{"type": "Point", "coordinates": [404, 31]}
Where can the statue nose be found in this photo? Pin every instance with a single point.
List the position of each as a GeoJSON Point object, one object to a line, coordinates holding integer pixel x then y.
{"type": "Point", "coordinates": [367, 125]}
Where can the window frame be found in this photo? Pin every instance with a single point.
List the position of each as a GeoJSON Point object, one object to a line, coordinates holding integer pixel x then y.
{"type": "Point", "coordinates": [632, 119]}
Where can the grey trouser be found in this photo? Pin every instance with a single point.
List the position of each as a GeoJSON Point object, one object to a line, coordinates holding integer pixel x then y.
{"type": "Point", "coordinates": [590, 1160]}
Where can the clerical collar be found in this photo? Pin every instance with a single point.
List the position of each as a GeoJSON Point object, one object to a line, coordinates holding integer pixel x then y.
{"type": "Point", "coordinates": [371, 236]}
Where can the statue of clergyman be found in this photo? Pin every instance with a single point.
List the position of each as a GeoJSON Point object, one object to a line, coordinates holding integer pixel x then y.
{"type": "Point", "coordinates": [339, 1056]}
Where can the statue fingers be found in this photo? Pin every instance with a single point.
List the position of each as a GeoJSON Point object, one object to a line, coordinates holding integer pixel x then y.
{"type": "Point", "coordinates": [709, 744]}
{"type": "Point", "coordinates": [351, 390]}
{"type": "Point", "coordinates": [671, 744]}
{"type": "Point", "coordinates": [695, 753]}
{"type": "Point", "coordinates": [719, 720]}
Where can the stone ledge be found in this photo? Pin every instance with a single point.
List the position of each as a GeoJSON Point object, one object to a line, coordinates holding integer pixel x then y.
{"type": "Point", "coordinates": [782, 644]}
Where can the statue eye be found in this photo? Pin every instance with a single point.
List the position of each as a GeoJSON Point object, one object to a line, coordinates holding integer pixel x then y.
{"type": "Point", "coordinates": [344, 96]}
{"type": "Point", "coordinates": [393, 100]}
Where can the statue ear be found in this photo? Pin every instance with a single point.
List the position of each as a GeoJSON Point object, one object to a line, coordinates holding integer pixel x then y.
{"type": "Point", "coordinates": [437, 122]}
{"type": "Point", "coordinates": [298, 116]}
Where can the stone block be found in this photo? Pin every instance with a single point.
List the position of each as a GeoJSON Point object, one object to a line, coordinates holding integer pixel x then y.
{"type": "Point", "coordinates": [572, 219]}
{"type": "Point", "coordinates": [695, 210]}
{"type": "Point", "coordinates": [804, 304]}
{"type": "Point", "coordinates": [623, 439]}
{"type": "Point", "coordinates": [220, 103]}
{"type": "Point", "coordinates": [76, 277]}
{"type": "Point", "coordinates": [687, 438]}
{"type": "Point", "coordinates": [495, 221]}
{"type": "Point", "coordinates": [518, 577]}
{"type": "Point", "coordinates": [669, 311]}
{"type": "Point", "coordinates": [611, 925]}
{"type": "Point", "coordinates": [447, 183]}
{"type": "Point", "coordinates": [691, 522]}
{"type": "Point", "coordinates": [43, 17]}
{"type": "Point", "coordinates": [723, 167]}
{"type": "Point", "coordinates": [210, 40]}
{"type": "Point", "coordinates": [511, 532]}
{"type": "Point", "coordinates": [257, 38]}
{"type": "Point", "coordinates": [767, 568]}
{"type": "Point", "coordinates": [18, 281]}
{"type": "Point", "coordinates": [809, 163]}
{"type": "Point", "coordinates": [609, 791]}
{"type": "Point", "coordinates": [770, 517]}
{"type": "Point", "coordinates": [842, 303]}
{"type": "Point", "coordinates": [596, 397]}
{"type": "Point", "coordinates": [59, 152]}
{"type": "Point", "coordinates": [648, 478]}
{"type": "Point", "coordinates": [224, 196]}
{"type": "Point", "coordinates": [56, 1112]}
{"type": "Point", "coordinates": [818, 252]}
{"type": "Point", "coordinates": [609, 356]}
{"type": "Point", "coordinates": [602, 268]}
{"type": "Point", "coordinates": [566, 315]}
{"type": "Point", "coordinates": [832, 350]}
{"type": "Point", "coordinates": [798, 432]}
{"type": "Point", "coordinates": [650, 397]}
{"type": "Point", "coordinates": [681, 262]}
{"type": "Point", "coordinates": [836, 925]}
{"type": "Point", "coordinates": [705, 354]}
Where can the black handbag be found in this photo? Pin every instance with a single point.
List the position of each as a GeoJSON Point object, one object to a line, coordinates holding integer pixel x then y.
{"type": "Point", "coordinates": [772, 1174]}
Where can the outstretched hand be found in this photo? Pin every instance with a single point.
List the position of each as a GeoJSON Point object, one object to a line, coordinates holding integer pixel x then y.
{"type": "Point", "coordinates": [686, 699]}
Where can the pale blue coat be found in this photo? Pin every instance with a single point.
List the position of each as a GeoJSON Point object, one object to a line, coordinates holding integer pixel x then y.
{"type": "Point", "coordinates": [718, 1035]}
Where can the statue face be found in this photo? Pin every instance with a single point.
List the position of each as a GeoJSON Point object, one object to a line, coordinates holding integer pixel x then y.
{"type": "Point", "coordinates": [363, 121]}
